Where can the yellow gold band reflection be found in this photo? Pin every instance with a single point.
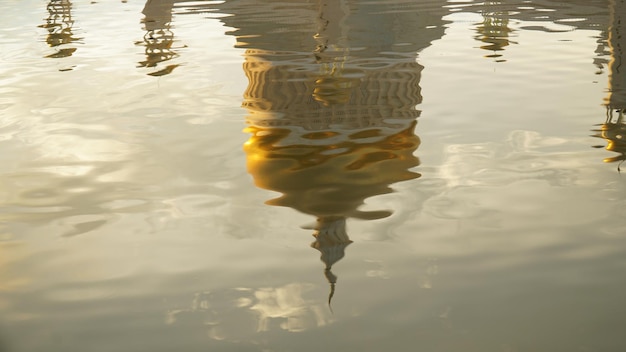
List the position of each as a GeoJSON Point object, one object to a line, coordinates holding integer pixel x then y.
{"type": "Point", "coordinates": [329, 179]}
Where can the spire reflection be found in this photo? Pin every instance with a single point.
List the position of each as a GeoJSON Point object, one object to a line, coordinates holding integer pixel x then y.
{"type": "Point", "coordinates": [59, 26]}
{"type": "Point", "coordinates": [159, 38]}
{"type": "Point", "coordinates": [333, 124]}
{"type": "Point", "coordinates": [613, 130]}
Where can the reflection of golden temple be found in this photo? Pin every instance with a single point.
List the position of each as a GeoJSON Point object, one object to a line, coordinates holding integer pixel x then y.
{"type": "Point", "coordinates": [613, 130]}
{"type": "Point", "coordinates": [159, 38]}
{"type": "Point", "coordinates": [59, 26]}
{"type": "Point", "coordinates": [494, 30]}
{"type": "Point", "coordinates": [332, 130]}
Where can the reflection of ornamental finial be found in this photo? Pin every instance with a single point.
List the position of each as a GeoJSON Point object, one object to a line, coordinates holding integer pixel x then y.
{"type": "Point", "coordinates": [332, 280]}
{"type": "Point", "coordinates": [331, 239]}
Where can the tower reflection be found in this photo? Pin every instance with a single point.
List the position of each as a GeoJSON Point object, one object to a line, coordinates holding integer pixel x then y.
{"type": "Point", "coordinates": [494, 29]}
{"type": "Point", "coordinates": [159, 38]}
{"type": "Point", "coordinates": [59, 26]}
{"type": "Point", "coordinates": [332, 124]}
{"type": "Point", "coordinates": [613, 130]}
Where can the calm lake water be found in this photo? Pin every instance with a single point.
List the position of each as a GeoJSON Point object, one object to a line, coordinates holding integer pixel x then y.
{"type": "Point", "coordinates": [321, 175]}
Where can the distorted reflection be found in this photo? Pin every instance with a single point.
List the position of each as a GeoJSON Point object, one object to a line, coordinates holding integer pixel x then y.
{"type": "Point", "coordinates": [334, 125]}
{"type": "Point", "coordinates": [59, 26]}
{"type": "Point", "coordinates": [613, 130]}
{"type": "Point", "coordinates": [603, 51]}
{"type": "Point", "coordinates": [287, 304]}
{"type": "Point", "coordinates": [494, 30]}
{"type": "Point", "coordinates": [159, 38]}
{"type": "Point", "coordinates": [285, 307]}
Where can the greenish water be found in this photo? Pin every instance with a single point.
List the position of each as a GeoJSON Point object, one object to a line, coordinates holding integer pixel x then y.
{"type": "Point", "coordinates": [164, 166]}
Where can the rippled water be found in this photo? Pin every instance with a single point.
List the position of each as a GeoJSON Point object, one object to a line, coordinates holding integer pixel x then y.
{"type": "Point", "coordinates": [164, 165]}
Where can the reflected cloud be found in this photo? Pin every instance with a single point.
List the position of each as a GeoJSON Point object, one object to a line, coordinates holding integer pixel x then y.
{"type": "Point", "coordinates": [159, 37]}
{"type": "Point", "coordinates": [287, 305]}
{"type": "Point", "coordinates": [481, 179]}
{"type": "Point", "coordinates": [59, 26]}
{"type": "Point", "coordinates": [613, 130]}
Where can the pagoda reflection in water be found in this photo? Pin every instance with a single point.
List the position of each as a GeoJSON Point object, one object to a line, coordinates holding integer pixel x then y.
{"type": "Point", "coordinates": [613, 130]}
{"type": "Point", "coordinates": [59, 26]}
{"type": "Point", "coordinates": [332, 119]}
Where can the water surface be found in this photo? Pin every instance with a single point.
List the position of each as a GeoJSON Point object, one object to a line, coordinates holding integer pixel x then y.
{"type": "Point", "coordinates": [312, 175]}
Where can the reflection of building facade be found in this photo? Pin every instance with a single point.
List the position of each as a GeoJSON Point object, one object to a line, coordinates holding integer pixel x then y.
{"type": "Point", "coordinates": [332, 108]}
{"type": "Point", "coordinates": [59, 26]}
{"type": "Point", "coordinates": [159, 38]}
{"type": "Point", "coordinates": [613, 130]}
